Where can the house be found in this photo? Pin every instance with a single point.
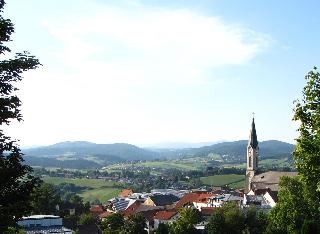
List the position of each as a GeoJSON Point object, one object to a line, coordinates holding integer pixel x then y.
{"type": "Point", "coordinates": [121, 204]}
{"type": "Point", "coordinates": [260, 201]}
{"type": "Point", "coordinates": [96, 210]}
{"type": "Point", "coordinates": [105, 215]}
{"type": "Point", "coordinates": [161, 200]}
{"type": "Point", "coordinates": [187, 200]}
{"type": "Point", "coordinates": [43, 224]}
{"type": "Point", "coordinates": [202, 201]}
{"type": "Point", "coordinates": [131, 209]}
{"type": "Point", "coordinates": [269, 195]}
{"type": "Point", "coordinates": [165, 217]}
{"type": "Point", "coordinates": [125, 193]}
{"type": "Point", "coordinates": [206, 212]}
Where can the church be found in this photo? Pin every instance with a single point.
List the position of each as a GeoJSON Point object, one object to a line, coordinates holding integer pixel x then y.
{"type": "Point", "coordinates": [255, 180]}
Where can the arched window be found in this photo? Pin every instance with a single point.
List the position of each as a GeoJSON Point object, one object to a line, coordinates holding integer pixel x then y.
{"type": "Point", "coordinates": [250, 161]}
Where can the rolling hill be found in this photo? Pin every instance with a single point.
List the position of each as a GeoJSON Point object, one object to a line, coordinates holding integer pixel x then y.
{"type": "Point", "coordinates": [82, 154]}
{"type": "Point", "coordinates": [235, 151]}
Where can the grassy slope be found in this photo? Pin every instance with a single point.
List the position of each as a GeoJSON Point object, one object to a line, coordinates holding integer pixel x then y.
{"type": "Point", "coordinates": [232, 180]}
{"type": "Point", "coordinates": [95, 188]}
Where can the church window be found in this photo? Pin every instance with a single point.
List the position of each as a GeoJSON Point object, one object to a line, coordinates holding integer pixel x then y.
{"type": "Point", "coordinates": [250, 164]}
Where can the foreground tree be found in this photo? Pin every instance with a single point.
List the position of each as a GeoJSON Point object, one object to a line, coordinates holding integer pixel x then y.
{"type": "Point", "coordinates": [135, 224]}
{"type": "Point", "coordinates": [307, 153]}
{"type": "Point", "coordinates": [229, 218]}
{"type": "Point", "coordinates": [112, 224]}
{"type": "Point", "coordinates": [186, 222]}
{"type": "Point", "coordinates": [298, 207]}
{"type": "Point", "coordinates": [16, 180]}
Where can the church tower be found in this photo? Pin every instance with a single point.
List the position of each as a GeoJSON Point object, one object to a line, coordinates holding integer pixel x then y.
{"type": "Point", "coordinates": [252, 156]}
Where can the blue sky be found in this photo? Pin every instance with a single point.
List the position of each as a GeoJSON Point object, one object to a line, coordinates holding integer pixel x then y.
{"type": "Point", "coordinates": [152, 71]}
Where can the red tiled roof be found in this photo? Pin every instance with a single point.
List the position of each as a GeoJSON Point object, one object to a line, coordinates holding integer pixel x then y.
{"type": "Point", "coordinates": [207, 210]}
{"type": "Point", "coordinates": [131, 209]}
{"type": "Point", "coordinates": [97, 209]}
{"type": "Point", "coordinates": [165, 215]}
{"type": "Point", "coordinates": [203, 197]}
{"type": "Point", "coordinates": [105, 214]}
{"type": "Point", "coordinates": [190, 198]}
{"type": "Point", "coordinates": [187, 198]}
{"type": "Point", "coordinates": [125, 193]}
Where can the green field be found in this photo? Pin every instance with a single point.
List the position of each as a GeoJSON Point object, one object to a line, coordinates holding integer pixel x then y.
{"type": "Point", "coordinates": [185, 165]}
{"type": "Point", "coordinates": [93, 188]}
{"type": "Point", "coordinates": [232, 180]}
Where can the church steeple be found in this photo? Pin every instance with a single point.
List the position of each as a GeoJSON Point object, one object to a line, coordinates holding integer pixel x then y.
{"type": "Point", "coordinates": [252, 156]}
{"type": "Point", "coordinates": [253, 140]}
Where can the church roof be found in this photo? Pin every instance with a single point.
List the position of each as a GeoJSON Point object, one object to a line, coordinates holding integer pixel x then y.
{"type": "Point", "coordinates": [253, 140]}
{"type": "Point", "coordinates": [269, 179]}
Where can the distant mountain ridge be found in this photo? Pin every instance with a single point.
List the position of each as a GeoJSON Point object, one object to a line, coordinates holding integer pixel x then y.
{"type": "Point", "coordinates": [82, 154]}
{"type": "Point", "coordinates": [122, 151]}
{"type": "Point", "coordinates": [237, 150]}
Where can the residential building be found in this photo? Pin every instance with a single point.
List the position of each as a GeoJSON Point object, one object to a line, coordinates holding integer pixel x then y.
{"type": "Point", "coordinates": [43, 224]}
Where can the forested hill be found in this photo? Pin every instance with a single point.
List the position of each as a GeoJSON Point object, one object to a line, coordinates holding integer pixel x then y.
{"type": "Point", "coordinates": [81, 154]}
{"type": "Point", "coordinates": [235, 151]}
{"type": "Point", "coordinates": [112, 152]}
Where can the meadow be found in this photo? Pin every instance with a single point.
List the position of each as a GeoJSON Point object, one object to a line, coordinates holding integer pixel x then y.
{"type": "Point", "coordinates": [232, 180]}
{"type": "Point", "coordinates": [92, 188]}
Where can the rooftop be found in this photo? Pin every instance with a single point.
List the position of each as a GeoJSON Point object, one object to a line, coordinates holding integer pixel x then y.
{"type": "Point", "coordinates": [165, 215]}
{"type": "Point", "coordinates": [41, 217]}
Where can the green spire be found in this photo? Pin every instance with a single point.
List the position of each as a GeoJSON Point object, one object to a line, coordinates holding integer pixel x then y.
{"type": "Point", "coordinates": [253, 140]}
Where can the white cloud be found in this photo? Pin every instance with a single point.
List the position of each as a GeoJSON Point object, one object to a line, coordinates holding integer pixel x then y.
{"type": "Point", "coordinates": [153, 43]}
{"type": "Point", "coordinates": [115, 61]}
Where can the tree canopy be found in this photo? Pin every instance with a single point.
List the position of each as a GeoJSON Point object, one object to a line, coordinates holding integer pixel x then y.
{"type": "Point", "coordinates": [298, 206]}
{"type": "Point", "coordinates": [16, 180]}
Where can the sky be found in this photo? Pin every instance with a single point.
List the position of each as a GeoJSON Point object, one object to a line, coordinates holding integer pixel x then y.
{"type": "Point", "coordinates": [144, 72]}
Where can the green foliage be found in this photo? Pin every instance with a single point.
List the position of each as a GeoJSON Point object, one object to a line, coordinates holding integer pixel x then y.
{"type": "Point", "coordinates": [217, 223]}
{"type": "Point", "coordinates": [307, 153]}
{"type": "Point", "coordinates": [299, 198]}
{"type": "Point", "coordinates": [291, 208]}
{"type": "Point", "coordinates": [186, 222]}
{"type": "Point", "coordinates": [113, 223]}
{"type": "Point", "coordinates": [310, 226]}
{"type": "Point", "coordinates": [45, 199]}
{"type": "Point", "coordinates": [162, 229]}
{"type": "Point", "coordinates": [255, 221]}
{"type": "Point", "coordinates": [13, 230]}
{"type": "Point", "coordinates": [230, 218]}
{"type": "Point", "coordinates": [86, 218]}
{"type": "Point", "coordinates": [135, 224]}
{"type": "Point", "coordinates": [16, 181]}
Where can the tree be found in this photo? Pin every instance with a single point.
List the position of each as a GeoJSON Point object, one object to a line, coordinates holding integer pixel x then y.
{"type": "Point", "coordinates": [217, 223]}
{"type": "Point", "coordinates": [135, 224]}
{"type": "Point", "coordinates": [255, 221]}
{"type": "Point", "coordinates": [113, 223]}
{"type": "Point", "coordinates": [290, 210]}
{"type": "Point", "coordinates": [44, 199]}
{"type": "Point", "coordinates": [86, 218]}
{"type": "Point", "coordinates": [307, 153]}
{"type": "Point", "coordinates": [162, 229]}
{"type": "Point", "coordinates": [227, 219]}
{"type": "Point", "coordinates": [186, 222]}
{"type": "Point", "coordinates": [298, 206]}
{"type": "Point", "coordinates": [16, 180]}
